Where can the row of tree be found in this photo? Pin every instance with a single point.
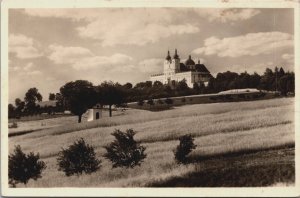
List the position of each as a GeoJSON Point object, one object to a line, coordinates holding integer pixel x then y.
{"type": "Point", "coordinates": [80, 95]}
{"type": "Point", "coordinates": [80, 157]}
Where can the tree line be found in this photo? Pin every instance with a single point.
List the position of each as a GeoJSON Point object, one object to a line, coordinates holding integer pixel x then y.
{"type": "Point", "coordinates": [80, 95]}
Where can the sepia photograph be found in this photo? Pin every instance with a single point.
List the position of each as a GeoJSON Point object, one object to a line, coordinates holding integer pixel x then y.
{"type": "Point", "coordinates": [149, 97]}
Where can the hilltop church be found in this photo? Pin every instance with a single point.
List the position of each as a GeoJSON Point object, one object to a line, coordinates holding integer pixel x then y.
{"type": "Point", "coordinates": [175, 71]}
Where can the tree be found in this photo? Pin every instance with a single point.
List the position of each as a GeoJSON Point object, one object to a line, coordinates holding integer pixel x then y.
{"type": "Point", "coordinates": [267, 80]}
{"type": "Point", "coordinates": [127, 86]}
{"type": "Point", "coordinates": [60, 103]}
{"type": "Point", "coordinates": [143, 85]}
{"type": "Point", "coordinates": [281, 72]}
{"type": "Point", "coordinates": [51, 96]}
{"type": "Point", "coordinates": [20, 105]}
{"type": "Point", "coordinates": [31, 97]}
{"type": "Point", "coordinates": [286, 84]}
{"type": "Point", "coordinates": [79, 96]}
{"type": "Point", "coordinates": [11, 111]}
{"type": "Point", "coordinates": [124, 151]}
{"type": "Point", "coordinates": [110, 94]}
{"type": "Point", "coordinates": [78, 158]}
{"type": "Point", "coordinates": [186, 145]}
{"type": "Point", "coordinates": [158, 84]}
{"type": "Point", "coordinates": [22, 167]}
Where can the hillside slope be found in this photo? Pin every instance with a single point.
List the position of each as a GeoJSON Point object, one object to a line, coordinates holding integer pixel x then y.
{"type": "Point", "coordinates": [221, 130]}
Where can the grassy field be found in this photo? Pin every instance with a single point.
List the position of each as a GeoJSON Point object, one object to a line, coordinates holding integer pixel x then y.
{"type": "Point", "coordinates": [239, 144]}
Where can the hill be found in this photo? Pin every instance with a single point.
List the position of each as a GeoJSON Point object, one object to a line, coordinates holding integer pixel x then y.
{"type": "Point", "coordinates": [239, 144]}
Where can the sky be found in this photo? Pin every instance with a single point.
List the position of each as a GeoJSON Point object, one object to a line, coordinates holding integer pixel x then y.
{"type": "Point", "coordinates": [50, 47]}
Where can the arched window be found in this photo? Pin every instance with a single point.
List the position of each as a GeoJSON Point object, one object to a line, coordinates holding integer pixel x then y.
{"type": "Point", "coordinates": [97, 115]}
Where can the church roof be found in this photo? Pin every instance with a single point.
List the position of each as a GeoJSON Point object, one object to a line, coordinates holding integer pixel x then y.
{"type": "Point", "coordinates": [183, 67]}
{"type": "Point", "coordinates": [201, 68]}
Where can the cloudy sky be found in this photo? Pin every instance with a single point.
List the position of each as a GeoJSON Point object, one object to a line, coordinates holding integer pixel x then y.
{"type": "Point", "coordinates": [49, 47]}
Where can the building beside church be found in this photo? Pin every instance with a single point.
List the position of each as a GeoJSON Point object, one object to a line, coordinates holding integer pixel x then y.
{"type": "Point", "coordinates": [175, 71]}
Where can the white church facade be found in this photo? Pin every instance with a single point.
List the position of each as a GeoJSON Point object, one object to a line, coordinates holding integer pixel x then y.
{"type": "Point", "coordinates": [175, 71]}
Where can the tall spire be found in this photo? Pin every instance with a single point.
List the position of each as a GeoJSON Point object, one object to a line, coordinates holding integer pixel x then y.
{"type": "Point", "coordinates": [168, 56]}
{"type": "Point", "coordinates": [175, 55]}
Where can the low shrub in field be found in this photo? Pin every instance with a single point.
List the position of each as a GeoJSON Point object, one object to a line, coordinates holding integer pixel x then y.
{"type": "Point", "coordinates": [186, 145]}
{"type": "Point", "coordinates": [168, 101]}
{"type": "Point", "coordinates": [78, 158]}
{"type": "Point", "coordinates": [22, 167]}
{"type": "Point", "coordinates": [13, 125]}
{"type": "Point", "coordinates": [183, 99]}
{"type": "Point", "coordinates": [150, 102]}
{"type": "Point", "coordinates": [141, 102]}
{"type": "Point", "coordinates": [124, 151]}
{"type": "Point", "coordinates": [159, 101]}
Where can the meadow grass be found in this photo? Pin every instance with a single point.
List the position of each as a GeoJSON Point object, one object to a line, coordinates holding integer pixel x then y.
{"type": "Point", "coordinates": [218, 128]}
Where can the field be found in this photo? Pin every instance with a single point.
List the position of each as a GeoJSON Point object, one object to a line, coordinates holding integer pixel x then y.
{"type": "Point", "coordinates": [238, 144]}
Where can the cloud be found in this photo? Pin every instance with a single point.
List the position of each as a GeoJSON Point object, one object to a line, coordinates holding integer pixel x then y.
{"type": "Point", "coordinates": [250, 44]}
{"type": "Point", "coordinates": [153, 65]}
{"type": "Point", "coordinates": [129, 26]}
{"type": "Point", "coordinates": [28, 66]}
{"type": "Point", "coordinates": [289, 58]}
{"type": "Point", "coordinates": [35, 72]}
{"type": "Point", "coordinates": [135, 27]}
{"type": "Point", "coordinates": [23, 47]}
{"type": "Point", "coordinates": [82, 58]}
{"type": "Point", "coordinates": [227, 15]}
{"type": "Point", "coordinates": [67, 55]}
{"type": "Point", "coordinates": [74, 14]}
{"type": "Point", "coordinates": [27, 70]}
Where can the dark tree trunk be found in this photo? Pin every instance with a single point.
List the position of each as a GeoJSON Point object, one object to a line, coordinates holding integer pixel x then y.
{"type": "Point", "coordinates": [110, 113]}
{"type": "Point", "coordinates": [79, 118]}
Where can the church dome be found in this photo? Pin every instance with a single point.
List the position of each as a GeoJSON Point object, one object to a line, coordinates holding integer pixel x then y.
{"type": "Point", "coordinates": [189, 61]}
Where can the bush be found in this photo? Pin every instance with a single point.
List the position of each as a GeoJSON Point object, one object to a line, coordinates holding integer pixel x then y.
{"type": "Point", "coordinates": [124, 151]}
{"type": "Point", "coordinates": [159, 101]}
{"type": "Point", "coordinates": [22, 167]}
{"type": "Point", "coordinates": [185, 146]}
{"type": "Point", "coordinates": [13, 125]}
{"type": "Point", "coordinates": [150, 102]}
{"type": "Point", "coordinates": [183, 99]}
{"type": "Point", "coordinates": [168, 101]}
{"type": "Point", "coordinates": [141, 102]}
{"type": "Point", "coordinates": [78, 158]}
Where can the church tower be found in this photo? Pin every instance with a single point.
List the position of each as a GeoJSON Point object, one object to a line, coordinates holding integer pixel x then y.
{"type": "Point", "coordinates": [167, 63]}
{"type": "Point", "coordinates": [176, 62]}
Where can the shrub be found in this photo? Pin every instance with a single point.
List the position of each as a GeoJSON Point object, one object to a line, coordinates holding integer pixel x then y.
{"type": "Point", "coordinates": [13, 125]}
{"type": "Point", "coordinates": [150, 102]}
{"type": "Point", "coordinates": [185, 146]}
{"type": "Point", "coordinates": [141, 102]}
{"type": "Point", "coordinates": [159, 101]}
{"type": "Point", "coordinates": [22, 167]}
{"type": "Point", "coordinates": [168, 101]}
{"type": "Point", "coordinates": [78, 158]}
{"type": "Point", "coordinates": [124, 151]}
{"type": "Point", "coordinates": [183, 99]}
